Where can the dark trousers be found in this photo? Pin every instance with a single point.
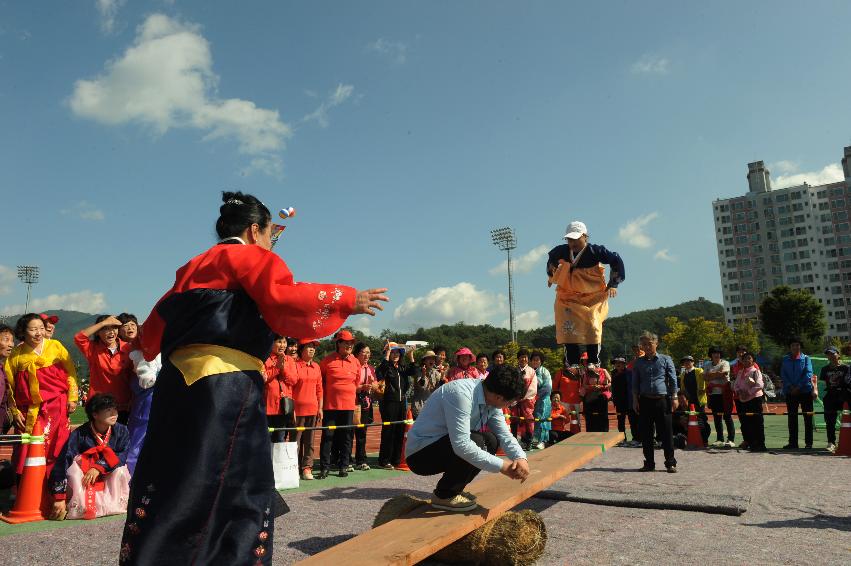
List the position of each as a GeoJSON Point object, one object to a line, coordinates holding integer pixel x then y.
{"type": "Point", "coordinates": [716, 405]}
{"type": "Point", "coordinates": [833, 404]}
{"type": "Point", "coordinates": [360, 436]}
{"type": "Point", "coordinates": [656, 414]}
{"type": "Point", "coordinates": [558, 435]}
{"type": "Point", "coordinates": [439, 457]}
{"type": "Point", "coordinates": [596, 415]}
{"type": "Point", "coordinates": [338, 442]}
{"type": "Point", "coordinates": [805, 401]}
{"type": "Point", "coordinates": [282, 421]}
{"type": "Point", "coordinates": [393, 435]}
{"type": "Point", "coordinates": [752, 422]}
{"type": "Point", "coordinates": [572, 353]}
{"type": "Point", "coordinates": [624, 412]}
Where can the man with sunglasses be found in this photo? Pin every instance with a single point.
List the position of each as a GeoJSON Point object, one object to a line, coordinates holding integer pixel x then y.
{"type": "Point", "coordinates": [458, 432]}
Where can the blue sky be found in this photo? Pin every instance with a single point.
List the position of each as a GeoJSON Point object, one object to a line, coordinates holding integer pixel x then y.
{"type": "Point", "coordinates": [402, 132]}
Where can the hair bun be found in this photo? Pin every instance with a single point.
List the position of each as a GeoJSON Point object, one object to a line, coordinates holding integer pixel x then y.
{"type": "Point", "coordinates": [229, 197]}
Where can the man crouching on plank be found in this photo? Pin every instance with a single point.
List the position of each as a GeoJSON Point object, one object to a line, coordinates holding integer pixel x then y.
{"type": "Point", "coordinates": [458, 432]}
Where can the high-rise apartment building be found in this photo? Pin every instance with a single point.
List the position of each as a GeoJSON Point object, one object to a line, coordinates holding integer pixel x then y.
{"type": "Point", "coordinates": [798, 236]}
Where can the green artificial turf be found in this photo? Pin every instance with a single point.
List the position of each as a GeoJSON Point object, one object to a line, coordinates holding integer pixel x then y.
{"type": "Point", "coordinates": [332, 481]}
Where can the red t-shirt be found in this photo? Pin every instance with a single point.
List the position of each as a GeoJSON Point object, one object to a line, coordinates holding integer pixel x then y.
{"type": "Point", "coordinates": [307, 391]}
{"type": "Point", "coordinates": [278, 384]}
{"type": "Point", "coordinates": [108, 372]}
{"type": "Point", "coordinates": [567, 388]}
{"type": "Point", "coordinates": [340, 377]}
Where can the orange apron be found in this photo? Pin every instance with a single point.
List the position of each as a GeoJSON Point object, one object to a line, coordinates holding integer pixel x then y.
{"type": "Point", "coordinates": [581, 304]}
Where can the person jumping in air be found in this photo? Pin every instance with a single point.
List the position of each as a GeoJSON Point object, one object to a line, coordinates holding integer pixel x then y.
{"type": "Point", "coordinates": [582, 293]}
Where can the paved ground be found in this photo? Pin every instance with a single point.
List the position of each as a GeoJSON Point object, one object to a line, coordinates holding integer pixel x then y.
{"type": "Point", "coordinates": [800, 513]}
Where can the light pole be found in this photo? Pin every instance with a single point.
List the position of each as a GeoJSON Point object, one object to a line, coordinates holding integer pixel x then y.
{"type": "Point", "coordinates": [28, 274]}
{"type": "Point", "coordinates": [504, 239]}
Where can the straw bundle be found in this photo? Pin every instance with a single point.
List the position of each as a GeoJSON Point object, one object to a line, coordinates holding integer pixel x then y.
{"type": "Point", "coordinates": [515, 539]}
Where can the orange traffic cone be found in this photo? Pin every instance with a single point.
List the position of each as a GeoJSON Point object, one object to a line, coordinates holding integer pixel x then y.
{"type": "Point", "coordinates": [403, 465]}
{"type": "Point", "coordinates": [31, 488]}
{"type": "Point", "coordinates": [695, 438]}
{"type": "Point", "coordinates": [844, 448]}
{"type": "Point", "coordinates": [574, 422]}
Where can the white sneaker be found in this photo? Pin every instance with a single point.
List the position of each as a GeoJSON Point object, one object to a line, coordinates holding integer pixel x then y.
{"type": "Point", "coordinates": [539, 446]}
{"type": "Point", "coordinates": [831, 448]}
{"type": "Point", "coordinates": [730, 444]}
{"type": "Point", "coordinates": [457, 504]}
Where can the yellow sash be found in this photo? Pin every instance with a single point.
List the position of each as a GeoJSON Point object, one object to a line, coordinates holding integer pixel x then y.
{"type": "Point", "coordinates": [197, 361]}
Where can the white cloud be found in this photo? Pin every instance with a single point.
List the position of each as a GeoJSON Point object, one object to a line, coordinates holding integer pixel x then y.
{"type": "Point", "coordinates": [395, 51]}
{"type": "Point", "coordinates": [7, 278]}
{"type": "Point", "coordinates": [651, 65]}
{"type": "Point", "coordinates": [528, 320]}
{"type": "Point", "coordinates": [107, 11]}
{"type": "Point", "coordinates": [792, 177]}
{"type": "Point", "coordinates": [784, 167]}
{"type": "Point", "coordinates": [83, 301]}
{"type": "Point", "coordinates": [633, 233]}
{"type": "Point", "coordinates": [334, 99]}
{"type": "Point", "coordinates": [361, 323]}
{"type": "Point", "coordinates": [84, 211]}
{"type": "Point", "coordinates": [447, 305]}
{"type": "Point", "coordinates": [165, 80]}
{"type": "Point", "coordinates": [525, 263]}
{"type": "Point", "coordinates": [664, 255]}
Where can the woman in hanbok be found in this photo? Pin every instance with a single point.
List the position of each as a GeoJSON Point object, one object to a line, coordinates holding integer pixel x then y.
{"type": "Point", "coordinates": [90, 478]}
{"type": "Point", "coordinates": [543, 404]}
{"type": "Point", "coordinates": [41, 385]}
{"type": "Point", "coordinates": [203, 488]}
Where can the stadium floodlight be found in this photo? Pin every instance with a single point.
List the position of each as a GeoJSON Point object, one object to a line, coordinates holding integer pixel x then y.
{"type": "Point", "coordinates": [28, 274]}
{"type": "Point", "coordinates": [505, 239]}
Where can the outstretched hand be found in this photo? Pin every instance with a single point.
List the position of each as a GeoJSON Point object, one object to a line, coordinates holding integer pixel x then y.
{"type": "Point", "coordinates": [367, 301]}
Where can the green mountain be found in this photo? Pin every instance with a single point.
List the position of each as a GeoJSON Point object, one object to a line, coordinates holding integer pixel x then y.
{"type": "Point", "coordinates": [619, 332]}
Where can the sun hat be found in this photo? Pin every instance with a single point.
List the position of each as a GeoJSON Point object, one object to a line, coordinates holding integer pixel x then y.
{"type": "Point", "coordinates": [465, 352]}
{"type": "Point", "coordinates": [574, 230]}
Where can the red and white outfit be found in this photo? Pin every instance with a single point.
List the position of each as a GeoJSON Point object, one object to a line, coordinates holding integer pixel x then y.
{"type": "Point", "coordinates": [526, 406]}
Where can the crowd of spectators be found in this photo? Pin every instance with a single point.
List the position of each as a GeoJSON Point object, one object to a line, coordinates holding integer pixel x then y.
{"type": "Point", "coordinates": [648, 392]}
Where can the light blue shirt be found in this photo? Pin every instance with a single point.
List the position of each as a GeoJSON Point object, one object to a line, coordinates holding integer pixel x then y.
{"type": "Point", "coordinates": [456, 409]}
{"type": "Point", "coordinates": [652, 376]}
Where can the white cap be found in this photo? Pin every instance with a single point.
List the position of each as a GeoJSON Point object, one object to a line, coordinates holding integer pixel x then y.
{"type": "Point", "coordinates": [574, 230]}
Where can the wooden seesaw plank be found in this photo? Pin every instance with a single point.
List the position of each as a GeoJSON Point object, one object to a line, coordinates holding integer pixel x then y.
{"type": "Point", "coordinates": [419, 534]}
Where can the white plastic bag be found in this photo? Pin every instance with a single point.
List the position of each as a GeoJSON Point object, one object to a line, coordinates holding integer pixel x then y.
{"type": "Point", "coordinates": [285, 464]}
